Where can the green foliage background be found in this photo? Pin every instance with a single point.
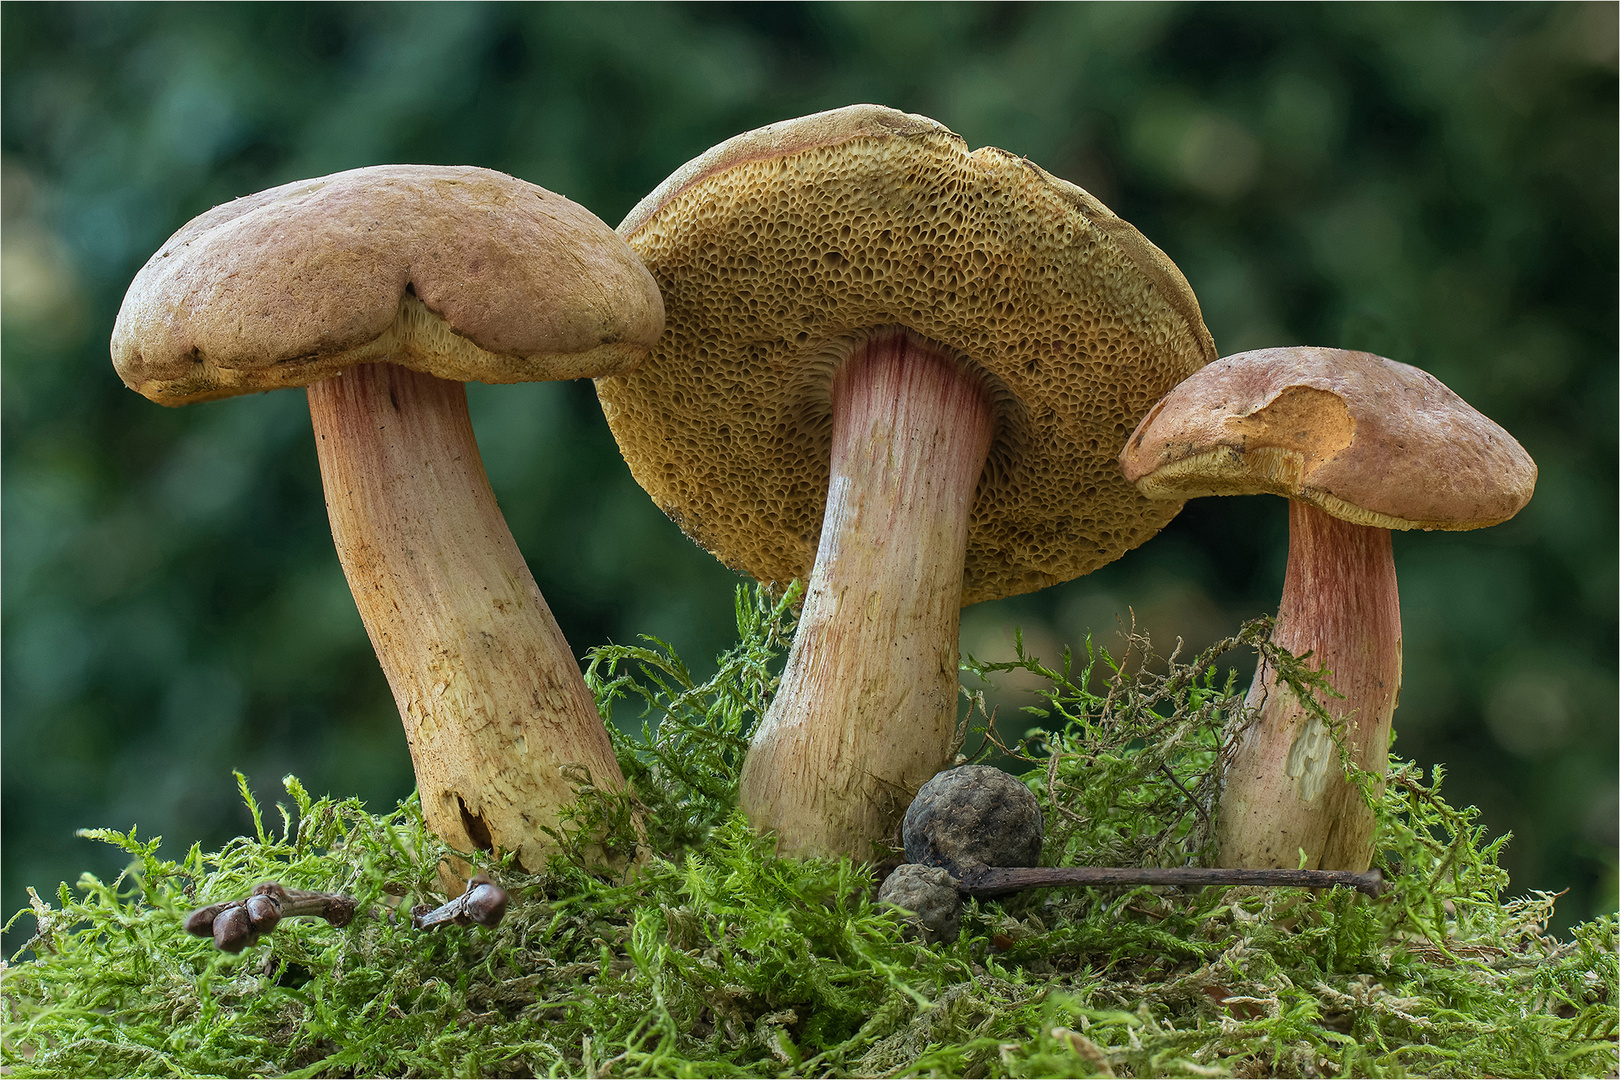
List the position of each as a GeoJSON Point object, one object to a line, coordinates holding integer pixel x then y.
{"type": "Point", "coordinates": [1433, 183]}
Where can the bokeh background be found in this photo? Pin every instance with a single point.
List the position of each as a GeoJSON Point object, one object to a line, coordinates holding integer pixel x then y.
{"type": "Point", "coordinates": [1435, 183]}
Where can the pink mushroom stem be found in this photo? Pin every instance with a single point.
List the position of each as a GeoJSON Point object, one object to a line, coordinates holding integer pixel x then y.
{"type": "Point", "coordinates": [866, 709]}
{"type": "Point", "coordinates": [1285, 788]}
{"type": "Point", "coordinates": [491, 696]}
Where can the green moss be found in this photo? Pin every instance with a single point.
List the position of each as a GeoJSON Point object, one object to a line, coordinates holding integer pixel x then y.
{"type": "Point", "coordinates": [722, 960]}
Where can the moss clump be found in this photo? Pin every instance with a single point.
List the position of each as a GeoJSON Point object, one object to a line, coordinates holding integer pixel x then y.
{"type": "Point", "coordinates": [722, 960]}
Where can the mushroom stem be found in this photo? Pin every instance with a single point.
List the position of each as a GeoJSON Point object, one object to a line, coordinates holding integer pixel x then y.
{"type": "Point", "coordinates": [866, 709]}
{"type": "Point", "coordinates": [1285, 790]}
{"type": "Point", "coordinates": [490, 694]}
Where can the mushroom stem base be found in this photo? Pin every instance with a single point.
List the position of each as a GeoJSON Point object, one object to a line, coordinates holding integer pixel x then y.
{"type": "Point", "coordinates": [866, 710]}
{"type": "Point", "coordinates": [491, 697]}
{"type": "Point", "coordinates": [1285, 787]}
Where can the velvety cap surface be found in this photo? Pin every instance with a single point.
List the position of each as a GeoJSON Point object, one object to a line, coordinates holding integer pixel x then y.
{"type": "Point", "coordinates": [1366, 439]}
{"type": "Point", "coordinates": [461, 272]}
{"type": "Point", "coordinates": [779, 250]}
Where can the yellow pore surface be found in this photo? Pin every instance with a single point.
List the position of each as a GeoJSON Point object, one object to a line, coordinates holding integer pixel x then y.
{"type": "Point", "coordinates": [772, 269]}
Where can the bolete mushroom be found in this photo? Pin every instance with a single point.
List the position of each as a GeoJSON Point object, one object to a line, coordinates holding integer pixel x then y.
{"type": "Point", "coordinates": [924, 356]}
{"type": "Point", "coordinates": [382, 290]}
{"type": "Point", "coordinates": [1359, 445]}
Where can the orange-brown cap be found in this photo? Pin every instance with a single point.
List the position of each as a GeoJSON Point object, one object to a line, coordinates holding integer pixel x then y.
{"type": "Point", "coordinates": [778, 250]}
{"type": "Point", "coordinates": [1366, 439]}
{"type": "Point", "coordinates": [464, 273]}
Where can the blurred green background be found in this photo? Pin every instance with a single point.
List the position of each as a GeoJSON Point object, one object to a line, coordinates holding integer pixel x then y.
{"type": "Point", "coordinates": [1433, 183]}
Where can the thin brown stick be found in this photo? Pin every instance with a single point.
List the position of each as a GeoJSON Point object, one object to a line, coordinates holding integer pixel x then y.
{"type": "Point", "coordinates": [1196, 805]}
{"type": "Point", "coordinates": [998, 880]}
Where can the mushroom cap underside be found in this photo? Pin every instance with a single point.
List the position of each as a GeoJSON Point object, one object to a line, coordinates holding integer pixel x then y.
{"type": "Point", "coordinates": [780, 250]}
{"type": "Point", "coordinates": [461, 272]}
{"type": "Point", "coordinates": [1366, 439]}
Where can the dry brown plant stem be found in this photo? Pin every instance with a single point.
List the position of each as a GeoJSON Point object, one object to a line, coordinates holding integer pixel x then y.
{"type": "Point", "coordinates": [866, 710]}
{"type": "Point", "coordinates": [991, 881]}
{"type": "Point", "coordinates": [1285, 788]}
{"type": "Point", "coordinates": [237, 924]}
{"type": "Point", "coordinates": [490, 694]}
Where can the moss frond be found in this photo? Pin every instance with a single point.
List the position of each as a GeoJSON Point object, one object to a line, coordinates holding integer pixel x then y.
{"type": "Point", "coordinates": [718, 959]}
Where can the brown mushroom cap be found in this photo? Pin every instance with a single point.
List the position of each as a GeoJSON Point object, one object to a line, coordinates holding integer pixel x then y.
{"type": "Point", "coordinates": [1366, 439]}
{"type": "Point", "coordinates": [778, 250]}
{"type": "Point", "coordinates": [463, 273]}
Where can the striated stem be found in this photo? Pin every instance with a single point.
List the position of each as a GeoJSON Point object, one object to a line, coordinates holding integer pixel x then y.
{"type": "Point", "coordinates": [1285, 789]}
{"type": "Point", "coordinates": [866, 710]}
{"type": "Point", "coordinates": [490, 694]}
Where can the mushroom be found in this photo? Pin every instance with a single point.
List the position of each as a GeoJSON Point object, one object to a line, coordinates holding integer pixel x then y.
{"type": "Point", "coordinates": [1359, 445]}
{"type": "Point", "coordinates": [977, 831]}
{"type": "Point", "coordinates": [382, 290]}
{"type": "Point", "coordinates": [926, 357]}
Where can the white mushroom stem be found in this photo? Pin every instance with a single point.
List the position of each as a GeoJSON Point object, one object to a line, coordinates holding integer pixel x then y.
{"type": "Point", "coordinates": [1285, 789]}
{"type": "Point", "coordinates": [491, 696]}
{"type": "Point", "coordinates": [866, 709]}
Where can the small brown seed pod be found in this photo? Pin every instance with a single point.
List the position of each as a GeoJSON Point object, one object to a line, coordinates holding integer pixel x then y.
{"type": "Point", "coordinates": [233, 929]}
{"type": "Point", "coordinates": [976, 815]}
{"type": "Point", "coordinates": [486, 901]}
{"type": "Point", "coordinates": [929, 893]}
{"type": "Point", "coordinates": [483, 903]}
{"type": "Point", "coordinates": [236, 924]}
{"type": "Point", "coordinates": [263, 912]}
{"type": "Point", "coordinates": [201, 921]}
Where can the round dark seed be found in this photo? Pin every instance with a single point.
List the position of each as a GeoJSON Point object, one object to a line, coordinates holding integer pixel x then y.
{"type": "Point", "coordinates": [974, 815]}
{"type": "Point", "coordinates": [930, 895]}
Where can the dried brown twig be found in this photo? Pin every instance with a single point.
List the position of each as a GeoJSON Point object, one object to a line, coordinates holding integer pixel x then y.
{"type": "Point", "coordinates": [236, 924]}
{"type": "Point", "coordinates": [999, 880]}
